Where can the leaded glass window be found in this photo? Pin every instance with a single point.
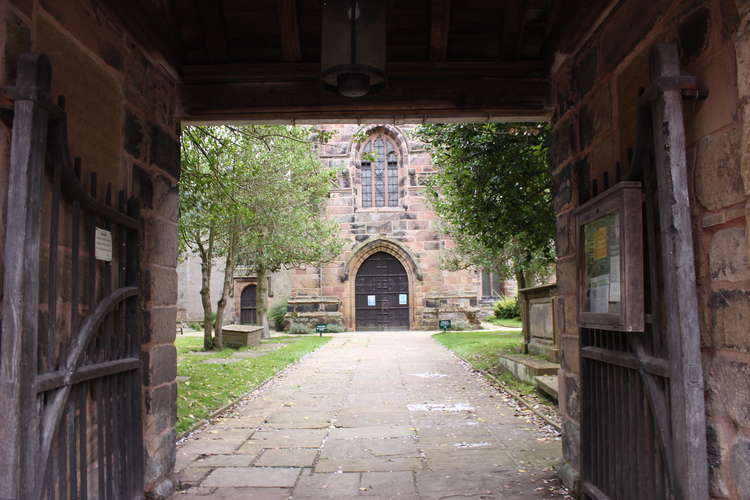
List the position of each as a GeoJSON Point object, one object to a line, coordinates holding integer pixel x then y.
{"type": "Point", "coordinates": [379, 173]}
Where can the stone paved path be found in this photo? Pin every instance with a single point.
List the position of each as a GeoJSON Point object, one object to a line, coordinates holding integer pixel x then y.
{"type": "Point", "coordinates": [371, 416]}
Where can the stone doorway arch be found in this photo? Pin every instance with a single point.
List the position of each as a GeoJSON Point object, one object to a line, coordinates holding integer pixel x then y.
{"type": "Point", "coordinates": [404, 256]}
{"type": "Point", "coordinates": [381, 299]}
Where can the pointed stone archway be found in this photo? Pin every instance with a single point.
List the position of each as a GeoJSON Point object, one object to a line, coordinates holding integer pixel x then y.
{"type": "Point", "coordinates": [405, 257]}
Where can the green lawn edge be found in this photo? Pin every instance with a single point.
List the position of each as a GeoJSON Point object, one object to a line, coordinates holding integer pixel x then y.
{"type": "Point", "coordinates": [481, 349]}
{"type": "Point", "coordinates": [506, 322]}
{"type": "Point", "coordinates": [213, 386]}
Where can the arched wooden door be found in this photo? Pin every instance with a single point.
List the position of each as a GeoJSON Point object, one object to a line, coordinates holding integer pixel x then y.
{"type": "Point", "coordinates": [382, 294]}
{"type": "Point", "coordinates": [248, 306]}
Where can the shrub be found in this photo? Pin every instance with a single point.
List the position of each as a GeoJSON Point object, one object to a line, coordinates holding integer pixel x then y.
{"type": "Point", "coordinates": [507, 308]}
{"type": "Point", "coordinates": [277, 314]}
{"type": "Point", "coordinates": [334, 328]}
{"type": "Point", "coordinates": [460, 325]}
{"type": "Point", "coordinates": [300, 329]}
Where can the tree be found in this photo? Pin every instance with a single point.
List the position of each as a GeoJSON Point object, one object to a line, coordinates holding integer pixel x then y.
{"type": "Point", "coordinates": [206, 203]}
{"type": "Point", "coordinates": [253, 193]}
{"type": "Point", "coordinates": [290, 190]}
{"type": "Point", "coordinates": [492, 189]}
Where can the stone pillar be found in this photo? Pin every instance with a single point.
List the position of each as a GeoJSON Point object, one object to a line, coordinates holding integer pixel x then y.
{"type": "Point", "coordinates": [151, 148]}
{"type": "Point", "coordinates": [155, 183]}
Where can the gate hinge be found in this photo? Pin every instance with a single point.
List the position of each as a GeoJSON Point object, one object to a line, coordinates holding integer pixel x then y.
{"type": "Point", "coordinates": [687, 84]}
{"type": "Point", "coordinates": [9, 95]}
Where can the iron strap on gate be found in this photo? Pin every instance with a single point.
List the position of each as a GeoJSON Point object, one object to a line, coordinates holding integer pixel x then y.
{"type": "Point", "coordinates": [643, 422]}
{"type": "Point", "coordinates": [70, 361]}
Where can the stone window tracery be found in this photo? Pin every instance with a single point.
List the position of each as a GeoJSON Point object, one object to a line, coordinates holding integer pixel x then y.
{"type": "Point", "coordinates": [379, 173]}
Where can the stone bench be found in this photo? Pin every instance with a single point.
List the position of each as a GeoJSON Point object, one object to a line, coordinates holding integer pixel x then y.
{"type": "Point", "coordinates": [236, 336]}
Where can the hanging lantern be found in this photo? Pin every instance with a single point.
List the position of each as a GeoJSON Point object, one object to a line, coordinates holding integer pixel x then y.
{"type": "Point", "coordinates": [353, 52]}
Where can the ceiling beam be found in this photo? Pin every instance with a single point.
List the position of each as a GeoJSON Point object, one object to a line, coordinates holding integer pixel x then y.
{"type": "Point", "coordinates": [512, 35]}
{"type": "Point", "coordinates": [406, 98]}
{"type": "Point", "coordinates": [437, 70]}
{"type": "Point", "coordinates": [215, 27]}
{"type": "Point", "coordinates": [440, 11]}
{"type": "Point", "coordinates": [291, 48]}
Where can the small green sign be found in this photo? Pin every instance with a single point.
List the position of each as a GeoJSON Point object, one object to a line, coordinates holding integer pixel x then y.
{"type": "Point", "coordinates": [321, 328]}
{"type": "Point", "coordinates": [445, 324]}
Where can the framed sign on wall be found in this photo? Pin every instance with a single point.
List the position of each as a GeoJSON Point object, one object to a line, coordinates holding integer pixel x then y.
{"type": "Point", "coordinates": [610, 260]}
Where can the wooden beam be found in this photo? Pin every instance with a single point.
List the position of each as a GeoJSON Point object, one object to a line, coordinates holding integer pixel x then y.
{"type": "Point", "coordinates": [440, 11]}
{"type": "Point", "coordinates": [19, 431]}
{"type": "Point", "coordinates": [405, 98]}
{"type": "Point", "coordinates": [681, 323]}
{"type": "Point", "coordinates": [286, 72]}
{"type": "Point", "coordinates": [215, 29]}
{"type": "Point", "coordinates": [513, 24]}
{"type": "Point", "coordinates": [291, 49]}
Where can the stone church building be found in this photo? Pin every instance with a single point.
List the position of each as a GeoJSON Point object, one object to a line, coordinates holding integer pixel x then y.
{"type": "Point", "coordinates": [389, 276]}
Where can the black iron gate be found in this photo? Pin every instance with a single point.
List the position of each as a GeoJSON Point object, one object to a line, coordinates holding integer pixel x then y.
{"type": "Point", "coordinates": [70, 359]}
{"type": "Point", "coordinates": [382, 294]}
{"type": "Point", "coordinates": [643, 418]}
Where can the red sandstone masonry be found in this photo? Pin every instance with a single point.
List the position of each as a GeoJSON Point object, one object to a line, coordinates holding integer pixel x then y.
{"type": "Point", "coordinates": [121, 118]}
{"type": "Point", "coordinates": [595, 122]}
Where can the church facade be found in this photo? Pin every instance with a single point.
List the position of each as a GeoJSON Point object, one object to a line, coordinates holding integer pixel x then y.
{"type": "Point", "coordinates": [389, 276]}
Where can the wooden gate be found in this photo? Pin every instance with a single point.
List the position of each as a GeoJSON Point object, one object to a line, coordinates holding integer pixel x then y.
{"type": "Point", "coordinates": [382, 294]}
{"type": "Point", "coordinates": [70, 361]}
{"type": "Point", "coordinates": [248, 306]}
{"type": "Point", "coordinates": [643, 418]}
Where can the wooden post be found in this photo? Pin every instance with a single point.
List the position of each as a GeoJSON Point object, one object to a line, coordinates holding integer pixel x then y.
{"type": "Point", "coordinates": [19, 431]}
{"type": "Point", "coordinates": [681, 323]}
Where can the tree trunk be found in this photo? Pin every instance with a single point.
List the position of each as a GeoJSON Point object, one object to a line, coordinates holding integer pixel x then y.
{"type": "Point", "coordinates": [229, 265]}
{"type": "Point", "coordinates": [207, 255]}
{"type": "Point", "coordinates": [206, 301]}
{"type": "Point", "coordinates": [261, 299]}
{"type": "Point", "coordinates": [520, 279]}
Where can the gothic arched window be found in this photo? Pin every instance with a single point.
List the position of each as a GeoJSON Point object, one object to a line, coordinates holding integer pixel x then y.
{"type": "Point", "coordinates": [379, 173]}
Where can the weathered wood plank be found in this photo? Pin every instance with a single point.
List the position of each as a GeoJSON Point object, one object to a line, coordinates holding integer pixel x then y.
{"type": "Point", "coordinates": [18, 354]}
{"type": "Point", "coordinates": [52, 381]}
{"type": "Point", "coordinates": [424, 70]}
{"type": "Point", "coordinates": [291, 48]}
{"type": "Point", "coordinates": [681, 322]}
{"type": "Point", "coordinates": [654, 366]}
{"type": "Point", "coordinates": [488, 97]}
{"type": "Point", "coordinates": [440, 20]}
{"type": "Point", "coordinates": [512, 32]}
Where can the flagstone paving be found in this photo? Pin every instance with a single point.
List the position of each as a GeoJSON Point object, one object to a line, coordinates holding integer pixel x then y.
{"type": "Point", "coordinates": [371, 416]}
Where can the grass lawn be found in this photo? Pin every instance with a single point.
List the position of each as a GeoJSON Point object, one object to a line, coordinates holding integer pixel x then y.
{"type": "Point", "coordinates": [211, 386]}
{"type": "Point", "coordinates": [512, 323]}
{"type": "Point", "coordinates": [481, 350]}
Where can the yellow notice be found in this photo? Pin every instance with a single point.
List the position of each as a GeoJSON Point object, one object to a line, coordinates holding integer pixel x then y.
{"type": "Point", "coordinates": [600, 243]}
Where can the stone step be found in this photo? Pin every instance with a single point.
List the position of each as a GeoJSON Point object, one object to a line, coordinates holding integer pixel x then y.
{"type": "Point", "coordinates": [547, 384]}
{"type": "Point", "coordinates": [526, 367]}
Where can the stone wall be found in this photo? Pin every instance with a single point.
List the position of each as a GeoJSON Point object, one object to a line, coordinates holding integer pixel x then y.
{"type": "Point", "coordinates": [410, 231]}
{"type": "Point", "coordinates": [121, 123]}
{"type": "Point", "coordinates": [189, 279]}
{"type": "Point", "coordinates": [594, 135]}
{"type": "Point", "coordinates": [279, 288]}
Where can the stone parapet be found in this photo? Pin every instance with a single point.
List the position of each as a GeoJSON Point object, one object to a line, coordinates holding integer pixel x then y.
{"type": "Point", "coordinates": [311, 311]}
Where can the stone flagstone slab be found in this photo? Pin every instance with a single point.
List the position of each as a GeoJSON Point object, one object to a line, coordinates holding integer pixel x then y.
{"type": "Point", "coordinates": [261, 477]}
{"type": "Point", "coordinates": [287, 457]}
{"type": "Point", "coordinates": [372, 416]}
